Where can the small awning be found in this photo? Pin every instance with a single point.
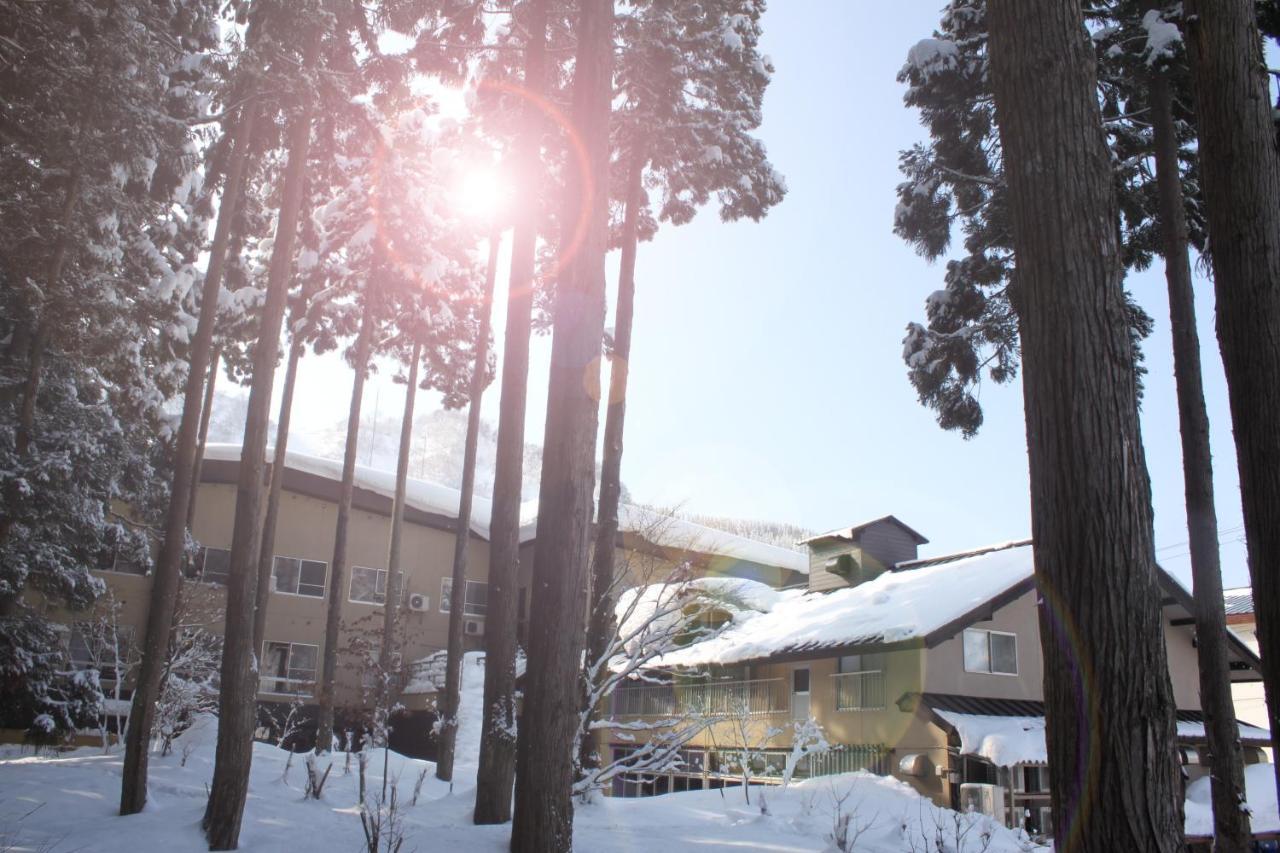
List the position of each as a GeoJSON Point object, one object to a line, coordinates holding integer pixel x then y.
{"type": "Point", "coordinates": [1011, 731]}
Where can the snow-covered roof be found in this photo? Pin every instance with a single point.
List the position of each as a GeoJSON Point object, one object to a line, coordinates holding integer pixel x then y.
{"type": "Point", "coordinates": [895, 607]}
{"type": "Point", "coordinates": [1238, 601]}
{"type": "Point", "coordinates": [442, 500]}
{"type": "Point", "coordinates": [1011, 731]}
{"type": "Point", "coordinates": [422, 495]}
{"type": "Point", "coordinates": [1004, 741]}
{"type": "Point", "coordinates": [687, 535]}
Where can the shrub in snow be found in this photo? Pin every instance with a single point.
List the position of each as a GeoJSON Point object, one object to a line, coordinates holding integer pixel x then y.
{"type": "Point", "coordinates": [39, 692]}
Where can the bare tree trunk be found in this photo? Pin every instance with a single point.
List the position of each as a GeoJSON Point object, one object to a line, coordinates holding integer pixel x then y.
{"type": "Point", "coordinates": [38, 341]}
{"type": "Point", "coordinates": [1230, 821]}
{"type": "Point", "coordinates": [267, 548]}
{"type": "Point", "coordinates": [164, 586]}
{"type": "Point", "coordinates": [462, 529]}
{"type": "Point", "coordinates": [600, 623]}
{"type": "Point", "coordinates": [546, 745]}
{"type": "Point", "coordinates": [391, 605]}
{"type": "Point", "coordinates": [1108, 700]}
{"type": "Point", "coordinates": [202, 441]}
{"type": "Point", "coordinates": [497, 745]}
{"type": "Point", "coordinates": [239, 675]}
{"type": "Point", "coordinates": [338, 568]}
{"type": "Point", "coordinates": [1241, 178]}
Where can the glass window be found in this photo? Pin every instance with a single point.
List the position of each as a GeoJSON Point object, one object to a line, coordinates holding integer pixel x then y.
{"type": "Point", "coordinates": [868, 662]}
{"type": "Point", "coordinates": [299, 577]}
{"type": "Point", "coordinates": [290, 667]}
{"type": "Point", "coordinates": [800, 680]}
{"type": "Point", "coordinates": [215, 565]}
{"type": "Point", "coordinates": [368, 586]}
{"type": "Point", "coordinates": [990, 651]}
{"type": "Point", "coordinates": [1004, 653]}
{"type": "Point", "coordinates": [476, 602]}
{"type": "Point", "coordinates": [977, 656]}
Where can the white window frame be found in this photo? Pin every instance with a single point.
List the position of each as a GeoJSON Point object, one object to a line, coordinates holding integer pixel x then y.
{"type": "Point", "coordinates": [274, 591]}
{"type": "Point", "coordinates": [272, 679]}
{"type": "Point", "coordinates": [383, 574]}
{"type": "Point", "coordinates": [987, 635]}
{"type": "Point", "coordinates": [447, 584]}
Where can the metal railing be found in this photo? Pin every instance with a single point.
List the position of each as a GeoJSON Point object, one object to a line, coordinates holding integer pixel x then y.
{"type": "Point", "coordinates": [859, 691]}
{"type": "Point", "coordinates": [710, 699]}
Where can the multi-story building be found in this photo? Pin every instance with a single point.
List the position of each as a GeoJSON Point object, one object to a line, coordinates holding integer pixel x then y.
{"type": "Point", "coordinates": [651, 545]}
{"type": "Point", "coordinates": [927, 669]}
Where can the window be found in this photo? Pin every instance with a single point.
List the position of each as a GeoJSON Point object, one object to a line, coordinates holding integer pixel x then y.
{"type": "Point", "coordinates": [477, 597]}
{"type": "Point", "coordinates": [113, 559]}
{"type": "Point", "coordinates": [990, 651]}
{"type": "Point", "coordinates": [299, 577]}
{"type": "Point", "coordinates": [799, 681]}
{"type": "Point", "coordinates": [215, 565]}
{"type": "Point", "coordinates": [289, 668]}
{"type": "Point", "coordinates": [870, 662]}
{"type": "Point", "coordinates": [368, 586]}
{"type": "Point", "coordinates": [1035, 779]}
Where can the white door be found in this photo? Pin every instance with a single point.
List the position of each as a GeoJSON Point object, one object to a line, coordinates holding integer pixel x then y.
{"type": "Point", "coordinates": [800, 694]}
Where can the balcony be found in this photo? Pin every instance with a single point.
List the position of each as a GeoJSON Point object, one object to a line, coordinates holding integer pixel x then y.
{"type": "Point", "coordinates": [712, 699]}
{"type": "Point", "coordinates": [859, 691]}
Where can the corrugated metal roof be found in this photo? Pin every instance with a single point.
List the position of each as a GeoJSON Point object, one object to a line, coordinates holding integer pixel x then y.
{"type": "Point", "coordinates": [1238, 601]}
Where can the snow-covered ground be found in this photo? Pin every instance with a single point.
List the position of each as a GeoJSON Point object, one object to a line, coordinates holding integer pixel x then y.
{"type": "Point", "coordinates": [69, 803]}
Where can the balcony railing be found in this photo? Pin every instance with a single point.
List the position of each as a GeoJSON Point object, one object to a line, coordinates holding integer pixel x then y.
{"type": "Point", "coordinates": [859, 691]}
{"type": "Point", "coordinates": [712, 699]}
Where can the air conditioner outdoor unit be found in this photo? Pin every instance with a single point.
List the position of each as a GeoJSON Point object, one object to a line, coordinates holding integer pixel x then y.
{"type": "Point", "coordinates": [983, 798]}
{"type": "Point", "coordinates": [474, 627]}
{"type": "Point", "coordinates": [419, 602]}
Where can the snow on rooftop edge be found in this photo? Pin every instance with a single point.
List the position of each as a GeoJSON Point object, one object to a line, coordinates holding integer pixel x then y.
{"type": "Point", "coordinates": [894, 607]}
{"type": "Point", "coordinates": [443, 500]}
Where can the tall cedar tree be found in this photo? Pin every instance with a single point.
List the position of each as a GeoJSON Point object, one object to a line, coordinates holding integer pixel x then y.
{"type": "Point", "coordinates": [691, 82]}
{"type": "Point", "coordinates": [481, 375]}
{"type": "Point", "coordinates": [1231, 820]}
{"type": "Point", "coordinates": [496, 771]}
{"type": "Point", "coordinates": [1241, 175]}
{"type": "Point", "coordinates": [957, 179]}
{"type": "Point", "coordinates": [238, 681]}
{"type": "Point", "coordinates": [1114, 774]}
{"type": "Point", "coordinates": [391, 241]}
{"type": "Point", "coordinates": [546, 747]}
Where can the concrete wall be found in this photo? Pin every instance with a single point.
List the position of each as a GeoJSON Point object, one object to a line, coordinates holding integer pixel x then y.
{"type": "Point", "coordinates": [944, 663]}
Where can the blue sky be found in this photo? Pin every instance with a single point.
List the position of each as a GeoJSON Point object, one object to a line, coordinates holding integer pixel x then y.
{"type": "Point", "coordinates": [767, 378]}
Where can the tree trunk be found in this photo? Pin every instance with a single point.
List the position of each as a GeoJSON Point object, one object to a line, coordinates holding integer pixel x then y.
{"type": "Point", "coordinates": [239, 674]}
{"type": "Point", "coordinates": [546, 747]}
{"type": "Point", "coordinates": [38, 341]}
{"type": "Point", "coordinates": [267, 548]}
{"type": "Point", "coordinates": [1109, 703]}
{"type": "Point", "coordinates": [600, 624]}
{"type": "Point", "coordinates": [338, 568]}
{"type": "Point", "coordinates": [391, 605]}
{"type": "Point", "coordinates": [462, 529]}
{"type": "Point", "coordinates": [1231, 822]}
{"type": "Point", "coordinates": [497, 745]}
{"type": "Point", "coordinates": [1240, 174]}
{"type": "Point", "coordinates": [164, 586]}
{"type": "Point", "coordinates": [206, 414]}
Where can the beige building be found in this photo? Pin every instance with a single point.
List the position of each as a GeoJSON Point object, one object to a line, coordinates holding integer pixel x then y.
{"type": "Point", "coordinates": [926, 669]}
{"type": "Point", "coordinates": [651, 546]}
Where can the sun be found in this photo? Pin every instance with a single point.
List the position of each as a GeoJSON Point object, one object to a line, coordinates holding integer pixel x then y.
{"type": "Point", "coordinates": [482, 194]}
